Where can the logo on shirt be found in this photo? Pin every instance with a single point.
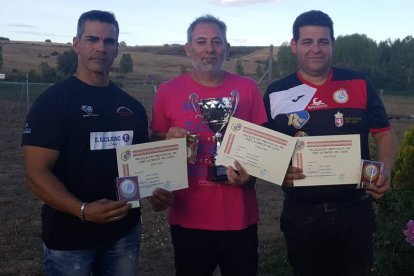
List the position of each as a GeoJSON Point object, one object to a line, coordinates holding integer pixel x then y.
{"type": "Point", "coordinates": [125, 137]}
{"type": "Point", "coordinates": [124, 111]}
{"type": "Point", "coordinates": [352, 120]}
{"type": "Point", "coordinates": [26, 128]}
{"type": "Point", "coordinates": [110, 140]}
{"type": "Point", "coordinates": [298, 119]}
{"type": "Point", "coordinates": [340, 96]}
{"type": "Point", "coordinates": [339, 119]}
{"type": "Point", "coordinates": [317, 104]}
{"type": "Point", "coordinates": [297, 99]}
{"type": "Point", "coordinates": [88, 109]}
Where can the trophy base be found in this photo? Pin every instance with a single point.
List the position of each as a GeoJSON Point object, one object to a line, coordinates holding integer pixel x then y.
{"type": "Point", "coordinates": [216, 173]}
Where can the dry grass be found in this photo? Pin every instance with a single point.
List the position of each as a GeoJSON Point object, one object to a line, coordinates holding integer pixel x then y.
{"type": "Point", "coordinates": [20, 230]}
{"type": "Point", "coordinates": [400, 105]}
{"type": "Point", "coordinates": [147, 60]}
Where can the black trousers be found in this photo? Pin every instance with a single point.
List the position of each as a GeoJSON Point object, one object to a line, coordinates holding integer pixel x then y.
{"type": "Point", "coordinates": [329, 241]}
{"type": "Point", "coordinates": [198, 252]}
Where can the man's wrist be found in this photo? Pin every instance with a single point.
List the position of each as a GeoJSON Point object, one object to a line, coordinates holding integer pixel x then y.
{"type": "Point", "coordinates": [82, 211]}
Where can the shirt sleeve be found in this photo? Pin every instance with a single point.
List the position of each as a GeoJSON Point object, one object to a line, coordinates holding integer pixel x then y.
{"type": "Point", "coordinates": [377, 115]}
{"type": "Point", "coordinates": [159, 121]}
{"type": "Point", "coordinates": [43, 126]}
{"type": "Point", "coordinates": [258, 112]}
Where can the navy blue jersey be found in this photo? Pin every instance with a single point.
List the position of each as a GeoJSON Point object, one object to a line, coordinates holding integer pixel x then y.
{"type": "Point", "coordinates": [345, 104]}
{"type": "Point", "coordinates": [85, 124]}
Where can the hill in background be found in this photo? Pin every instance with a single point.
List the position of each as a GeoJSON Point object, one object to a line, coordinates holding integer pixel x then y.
{"type": "Point", "coordinates": [159, 62]}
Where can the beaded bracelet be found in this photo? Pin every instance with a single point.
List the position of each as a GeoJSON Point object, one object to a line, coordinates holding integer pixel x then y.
{"type": "Point", "coordinates": [82, 212]}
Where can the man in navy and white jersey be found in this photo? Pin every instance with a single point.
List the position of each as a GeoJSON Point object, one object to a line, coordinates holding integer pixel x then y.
{"type": "Point", "coordinates": [69, 141]}
{"type": "Point", "coordinates": [328, 229]}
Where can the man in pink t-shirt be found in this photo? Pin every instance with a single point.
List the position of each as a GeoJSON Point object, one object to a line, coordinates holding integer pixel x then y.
{"type": "Point", "coordinates": [212, 223]}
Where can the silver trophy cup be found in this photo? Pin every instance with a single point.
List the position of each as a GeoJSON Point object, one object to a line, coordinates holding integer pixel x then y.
{"type": "Point", "coordinates": [216, 112]}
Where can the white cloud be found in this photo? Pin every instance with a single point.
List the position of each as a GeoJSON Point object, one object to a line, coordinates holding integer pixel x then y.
{"type": "Point", "coordinates": [241, 2]}
{"type": "Point", "coordinates": [20, 25]}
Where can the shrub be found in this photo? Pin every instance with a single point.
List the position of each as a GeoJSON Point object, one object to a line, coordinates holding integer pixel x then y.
{"type": "Point", "coordinates": [125, 64]}
{"type": "Point", "coordinates": [393, 254]}
{"type": "Point", "coordinates": [239, 67]}
{"type": "Point", "coordinates": [404, 164]}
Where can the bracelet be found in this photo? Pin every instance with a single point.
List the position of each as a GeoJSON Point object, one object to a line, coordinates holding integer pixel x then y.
{"type": "Point", "coordinates": [82, 211]}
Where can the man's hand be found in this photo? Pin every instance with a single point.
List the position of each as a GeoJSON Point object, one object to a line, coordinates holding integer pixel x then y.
{"type": "Point", "coordinates": [176, 132]}
{"type": "Point", "coordinates": [161, 199]}
{"type": "Point", "coordinates": [105, 210]}
{"type": "Point", "coordinates": [238, 176]}
{"type": "Point", "coordinates": [384, 185]}
{"type": "Point", "coordinates": [292, 173]}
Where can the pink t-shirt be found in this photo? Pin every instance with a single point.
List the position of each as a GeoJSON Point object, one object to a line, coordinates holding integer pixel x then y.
{"type": "Point", "coordinates": [208, 205]}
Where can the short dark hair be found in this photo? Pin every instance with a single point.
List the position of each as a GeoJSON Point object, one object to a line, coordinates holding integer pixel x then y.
{"type": "Point", "coordinates": [206, 19]}
{"type": "Point", "coordinates": [312, 18]}
{"type": "Point", "coordinates": [96, 15]}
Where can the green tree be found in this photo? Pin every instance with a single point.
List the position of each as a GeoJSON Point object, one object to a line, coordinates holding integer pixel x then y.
{"type": "Point", "coordinates": [125, 64]}
{"type": "Point", "coordinates": [239, 67]}
{"type": "Point", "coordinates": [48, 74]}
{"type": "Point", "coordinates": [286, 62]}
{"type": "Point", "coordinates": [401, 63]}
{"type": "Point", "coordinates": [122, 43]}
{"type": "Point", "coordinates": [356, 52]}
{"type": "Point", "coordinates": [34, 76]}
{"type": "Point", "coordinates": [67, 63]}
{"type": "Point", "coordinates": [404, 164]}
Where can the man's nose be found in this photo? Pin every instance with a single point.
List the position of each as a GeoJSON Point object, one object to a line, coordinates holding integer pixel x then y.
{"type": "Point", "coordinates": [209, 47]}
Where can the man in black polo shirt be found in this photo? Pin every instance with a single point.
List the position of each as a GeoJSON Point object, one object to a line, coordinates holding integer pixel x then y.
{"type": "Point", "coordinates": [69, 141]}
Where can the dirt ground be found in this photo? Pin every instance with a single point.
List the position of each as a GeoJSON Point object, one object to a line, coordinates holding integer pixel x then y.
{"type": "Point", "coordinates": [20, 229]}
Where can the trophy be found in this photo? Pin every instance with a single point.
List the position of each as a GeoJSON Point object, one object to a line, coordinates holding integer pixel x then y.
{"type": "Point", "coordinates": [216, 112]}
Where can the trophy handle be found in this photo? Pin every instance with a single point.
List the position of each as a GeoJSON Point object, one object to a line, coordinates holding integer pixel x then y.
{"type": "Point", "coordinates": [194, 101]}
{"type": "Point", "coordinates": [235, 97]}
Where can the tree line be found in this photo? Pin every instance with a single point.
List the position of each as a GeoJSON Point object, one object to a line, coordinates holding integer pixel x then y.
{"type": "Point", "coordinates": [67, 63]}
{"type": "Point", "coordinates": [388, 64]}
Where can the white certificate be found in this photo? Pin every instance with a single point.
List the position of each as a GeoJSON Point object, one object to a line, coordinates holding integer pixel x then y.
{"type": "Point", "coordinates": [328, 160]}
{"type": "Point", "coordinates": [161, 164]}
{"type": "Point", "coordinates": [263, 153]}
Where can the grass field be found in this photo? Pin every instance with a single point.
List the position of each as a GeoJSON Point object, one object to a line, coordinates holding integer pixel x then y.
{"type": "Point", "coordinates": [20, 229]}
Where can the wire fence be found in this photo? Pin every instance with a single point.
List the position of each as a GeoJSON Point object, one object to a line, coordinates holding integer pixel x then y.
{"type": "Point", "coordinates": [16, 98]}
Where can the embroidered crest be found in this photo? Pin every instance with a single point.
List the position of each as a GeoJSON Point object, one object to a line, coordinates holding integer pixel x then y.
{"type": "Point", "coordinates": [339, 119]}
{"type": "Point", "coordinates": [340, 96]}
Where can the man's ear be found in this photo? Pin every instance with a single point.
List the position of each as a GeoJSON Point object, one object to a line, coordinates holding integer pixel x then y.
{"type": "Point", "coordinates": [187, 49]}
{"type": "Point", "coordinates": [227, 49]}
{"type": "Point", "coordinates": [293, 46]}
{"type": "Point", "coordinates": [75, 44]}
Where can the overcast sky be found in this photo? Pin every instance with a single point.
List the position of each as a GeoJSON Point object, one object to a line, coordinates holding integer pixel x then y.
{"type": "Point", "coordinates": [249, 22]}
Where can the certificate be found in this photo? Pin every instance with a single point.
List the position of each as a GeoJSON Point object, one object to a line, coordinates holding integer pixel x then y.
{"type": "Point", "coordinates": [262, 152]}
{"type": "Point", "coordinates": [328, 160]}
{"type": "Point", "coordinates": [161, 164]}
